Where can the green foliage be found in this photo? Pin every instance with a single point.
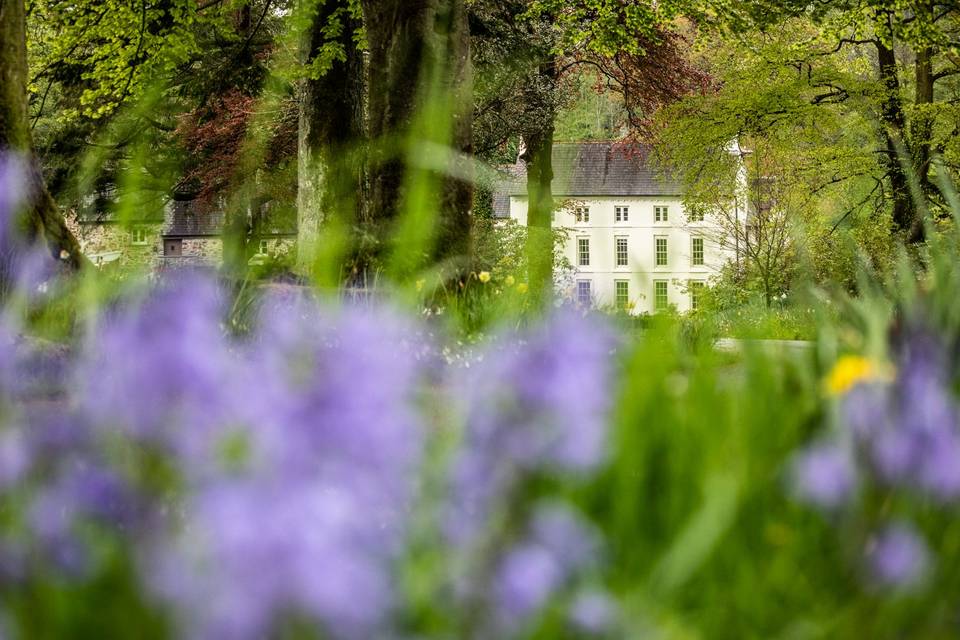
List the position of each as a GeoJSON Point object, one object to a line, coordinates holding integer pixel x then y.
{"type": "Point", "coordinates": [592, 112]}
{"type": "Point", "coordinates": [112, 51]}
{"type": "Point", "coordinates": [605, 27]}
{"type": "Point", "coordinates": [332, 49]}
{"type": "Point", "coordinates": [500, 249]}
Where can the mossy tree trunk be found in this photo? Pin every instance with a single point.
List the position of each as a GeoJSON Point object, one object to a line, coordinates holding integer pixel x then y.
{"type": "Point", "coordinates": [538, 158]}
{"type": "Point", "coordinates": [41, 220]}
{"type": "Point", "coordinates": [419, 50]}
{"type": "Point", "coordinates": [331, 130]}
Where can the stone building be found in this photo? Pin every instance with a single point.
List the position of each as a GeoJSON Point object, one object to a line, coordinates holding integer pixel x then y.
{"type": "Point", "coordinates": [192, 235]}
{"type": "Point", "coordinates": [188, 234]}
{"type": "Point", "coordinates": [108, 242]}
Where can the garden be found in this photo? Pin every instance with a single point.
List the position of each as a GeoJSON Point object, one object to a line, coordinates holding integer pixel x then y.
{"type": "Point", "coordinates": [274, 365]}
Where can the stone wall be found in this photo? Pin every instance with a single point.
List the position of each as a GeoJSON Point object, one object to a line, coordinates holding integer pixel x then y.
{"type": "Point", "coordinates": [109, 243]}
{"type": "Point", "coordinates": [206, 250]}
{"type": "Point", "coordinates": [113, 244]}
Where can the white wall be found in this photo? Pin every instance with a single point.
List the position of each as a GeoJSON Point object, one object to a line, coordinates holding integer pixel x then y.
{"type": "Point", "coordinates": [640, 230]}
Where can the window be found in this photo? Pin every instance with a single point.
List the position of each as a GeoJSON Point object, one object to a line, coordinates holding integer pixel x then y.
{"type": "Point", "coordinates": [660, 300]}
{"type": "Point", "coordinates": [138, 235]}
{"type": "Point", "coordinates": [696, 252]}
{"type": "Point", "coordinates": [622, 292]}
{"type": "Point", "coordinates": [695, 216]}
{"type": "Point", "coordinates": [173, 248]}
{"type": "Point", "coordinates": [583, 252]}
{"type": "Point", "coordinates": [696, 290]}
{"type": "Point", "coordinates": [584, 294]}
{"type": "Point", "coordinates": [582, 214]}
{"type": "Point", "coordinates": [621, 214]}
{"type": "Point", "coordinates": [661, 251]}
{"type": "Point", "coordinates": [263, 247]}
{"type": "Point", "coordinates": [660, 214]}
{"type": "Point", "coordinates": [622, 255]}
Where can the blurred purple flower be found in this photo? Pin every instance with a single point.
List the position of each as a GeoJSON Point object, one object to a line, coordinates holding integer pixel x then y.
{"type": "Point", "coordinates": [77, 492]}
{"type": "Point", "coordinates": [161, 371]}
{"type": "Point", "coordinates": [339, 381]}
{"type": "Point", "coordinates": [314, 511]}
{"type": "Point", "coordinates": [527, 578]}
{"type": "Point", "coordinates": [824, 475]}
{"type": "Point", "coordinates": [537, 401]}
{"type": "Point", "coordinates": [558, 546]}
{"type": "Point", "coordinates": [250, 552]}
{"type": "Point", "coordinates": [866, 409]}
{"type": "Point", "coordinates": [12, 192]}
{"type": "Point", "coordinates": [14, 457]}
{"type": "Point", "coordinates": [898, 556]}
{"type": "Point", "coordinates": [910, 430]}
{"type": "Point", "coordinates": [565, 534]}
{"type": "Point", "coordinates": [593, 612]}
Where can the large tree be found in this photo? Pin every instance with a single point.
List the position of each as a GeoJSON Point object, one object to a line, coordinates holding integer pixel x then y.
{"type": "Point", "coordinates": [892, 63]}
{"type": "Point", "coordinates": [331, 125]}
{"type": "Point", "coordinates": [42, 220]}
{"type": "Point", "coordinates": [418, 92]}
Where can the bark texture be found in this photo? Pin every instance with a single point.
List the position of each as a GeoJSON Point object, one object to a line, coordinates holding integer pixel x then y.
{"type": "Point", "coordinates": [538, 158]}
{"type": "Point", "coordinates": [893, 121]}
{"type": "Point", "coordinates": [330, 132]}
{"type": "Point", "coordinates": [419, 49]}
{"type": "Point", "coordinates": [42, 220]}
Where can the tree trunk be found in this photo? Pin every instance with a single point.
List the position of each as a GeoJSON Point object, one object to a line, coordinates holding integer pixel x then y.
{"type": "Point", "coordinates": [538, 158]}
{"type": "Point", "coordinates": [42, 220]}
{"type": "Point", "coordinates": [329, 177]}
{"type": "Point", "coordinates": [921, 126]}
{"type": "Point", "coordinates": [455, 229]}
{"type": "Point", "coordinates": [539, 163]}
{"type": "Point", "coordinates": [897, 158]}
{"type": "Point", "coordinates": [415, 44]}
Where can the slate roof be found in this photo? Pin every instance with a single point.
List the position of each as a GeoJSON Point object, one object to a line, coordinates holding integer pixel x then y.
{"type": "Point", "coordinates": [101, 209]}
{"type": "Point", "coordinates": [584, 169]}
{"type": "Point", "coordinates": [195, 219]}
{"type": "Point", "coordinates": [188, 218]}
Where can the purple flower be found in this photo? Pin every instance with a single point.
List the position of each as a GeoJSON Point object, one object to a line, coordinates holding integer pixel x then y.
{"type": "Point", "coordinates": [927, 405]}
{"type": "Point", "coordinates": [565, 534]}
{"type": "Point", "coordinates": [535, 402]}
{"type": "Point", "coordinates": [824, 475]}
{"type": "Point", "coordinates": [557, 547]}
{"type": "Point", "coordinates": [593, 612]}
{"type": "Point", "coordinates": [161, 371]}
{"type": "Point", "coordinates": [250, 552]}
{"type": "Point", "coordinates": [897, 556]}
{"type": "Point", "coordinates": [79, 491]}
{"type": "Point", "coordinates": [895, 453]}
{"type": "Point", "coordinates": [311, 508]}
{"type": "Point", "coordinates": [527, 578]}
{"type": "Point", "coordinates": [14, 457]}
{"type": "Point", "coordinates": [866, 409]}
{"type": "Point", "coordinates": [908, 431]}
{"type": "Point", "coordinates": [13, 180]}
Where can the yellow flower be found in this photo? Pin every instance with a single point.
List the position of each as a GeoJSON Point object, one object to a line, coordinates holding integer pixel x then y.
{"type": "Point", "coordinates": [509, 281]}
{"type": "Point", "coordinates": [420, 284]}
{"type": "Point", "coordinates": [522, 287]}
{"type": "Point", "coordinates": [484, 276]}
{"type": "Point", "coordinates": [849, 371]}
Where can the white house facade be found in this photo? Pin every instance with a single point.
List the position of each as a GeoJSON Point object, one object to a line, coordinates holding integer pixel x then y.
{"type": "Point", "coordinates": [630, 240]}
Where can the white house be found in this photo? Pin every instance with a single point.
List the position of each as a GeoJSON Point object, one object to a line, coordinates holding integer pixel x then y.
{"type": "Point", "coordinates": [631, 241]}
